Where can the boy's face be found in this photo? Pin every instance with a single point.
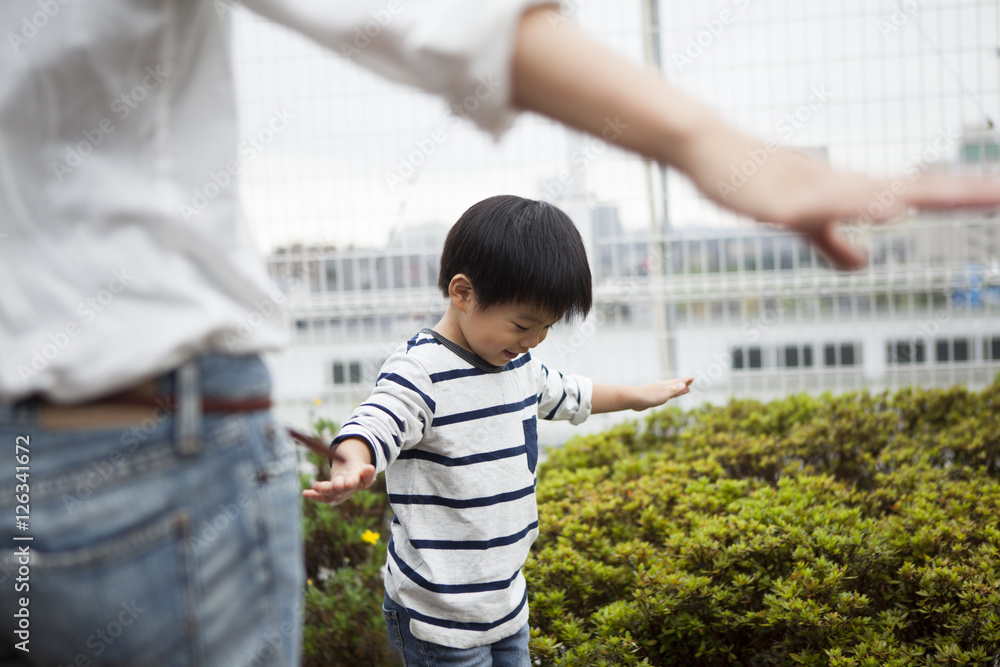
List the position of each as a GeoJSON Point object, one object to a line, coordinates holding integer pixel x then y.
{"type": "Point", "coordinates": [501, 333]}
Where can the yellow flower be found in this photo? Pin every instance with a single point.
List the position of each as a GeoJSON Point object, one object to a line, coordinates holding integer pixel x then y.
{"type": "Point", "coordinates": [309, 581]}
{"type": "Point", "coordinates": [318, 401]}
{"type": "Point", "coordinates": [370, 537]}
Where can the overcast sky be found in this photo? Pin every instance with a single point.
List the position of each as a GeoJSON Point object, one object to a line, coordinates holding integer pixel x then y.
{"type": "Point", "coordinates": [876, 83]}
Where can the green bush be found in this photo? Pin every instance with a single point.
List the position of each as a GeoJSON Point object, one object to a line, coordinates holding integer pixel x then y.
{"type": "Point", "coordinates": [851, 530]}
{"type": "Point", "coordinates": [344, 557]}
{"type": "Point", "coordinates": [856, 530]}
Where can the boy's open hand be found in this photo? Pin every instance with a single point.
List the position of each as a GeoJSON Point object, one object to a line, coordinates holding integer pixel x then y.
{"type": "Point", "coordinates": [612, 397]}
{"type": "Point", "coordinates": [657, 393]}
{"type": "Point", "coordinates": [351, 471]}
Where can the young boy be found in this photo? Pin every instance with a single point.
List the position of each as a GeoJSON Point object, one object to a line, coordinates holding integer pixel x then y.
{"type": "Point", "coordinates": [452, 421]}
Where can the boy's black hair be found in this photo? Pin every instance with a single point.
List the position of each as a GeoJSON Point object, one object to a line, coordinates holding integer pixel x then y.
{"type": "Point", "coordinates": [516, 250]}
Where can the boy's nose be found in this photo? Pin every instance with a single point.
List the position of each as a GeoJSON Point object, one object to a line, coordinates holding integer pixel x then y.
{"type": "Point", "coordinates": [529, 342]}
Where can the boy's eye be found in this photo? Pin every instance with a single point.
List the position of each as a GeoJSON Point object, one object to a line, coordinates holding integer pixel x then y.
{"type": "Point", "coordinates": [519, 327]}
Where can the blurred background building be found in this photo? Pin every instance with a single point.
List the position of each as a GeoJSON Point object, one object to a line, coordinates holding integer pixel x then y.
{"type": "Point", "coordinates": [351, 202]}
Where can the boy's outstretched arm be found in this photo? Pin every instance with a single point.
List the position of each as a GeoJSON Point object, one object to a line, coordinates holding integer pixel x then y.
{"type": "Point", "coordinates": [352, 472]}
{"type": "Point", "coordinates": [613, 397]}
{"type": "Point", "coordinates": [562, 74]}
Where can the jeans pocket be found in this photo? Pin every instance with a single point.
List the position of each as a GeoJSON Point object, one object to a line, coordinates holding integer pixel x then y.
{"type": "Point", "coordinates": [126, 600]}
{"type": "Point", "coordinates": [393, 632]}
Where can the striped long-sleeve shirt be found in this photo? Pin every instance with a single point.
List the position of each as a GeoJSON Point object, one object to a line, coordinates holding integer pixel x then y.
{"type": "Point", "coordinates": [457, 439]}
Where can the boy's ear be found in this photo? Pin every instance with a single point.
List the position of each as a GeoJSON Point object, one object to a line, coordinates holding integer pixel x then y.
{"type": "Point", "coordinates": [460, 292]}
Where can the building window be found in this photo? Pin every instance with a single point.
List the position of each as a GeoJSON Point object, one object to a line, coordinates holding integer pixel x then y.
{"type": "Point", "coordinates": [795, 356]}
{"type": "Point", "coordinates": [749, 255]}
{"type": "Point", "coordinates": [991, 348]}
{"type": "Point", "coordinates": [331, 275]}
{"type": "Point", "coordinates": [348, 274]}
{"type": "Point", "coordinates": [786, 251]}
{"type": "Point", "coordinates": [713, 251]}
{"type": "Point", "coordinates": [902, 352]}
{"type": "Point", "coordinates": [744, 358]}
{"type": "Point", "coordinates": [805, 255]}
{"type": "Point", "coordinates": [947, 350]}
{"type": "Point", "coordinates": [767, 254]}
{"type": "Point", "coordinates": [349, 373]}
{"type": "Point", "coordinates": [732, 255]}
{"type": "Point", "coordinates": [847, 355]}
{"type": "Point", "coordinates": [843, 354]}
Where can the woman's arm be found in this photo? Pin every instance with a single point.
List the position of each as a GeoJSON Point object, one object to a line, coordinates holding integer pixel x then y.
{"type": "Point", "coordinates": [564, 75]}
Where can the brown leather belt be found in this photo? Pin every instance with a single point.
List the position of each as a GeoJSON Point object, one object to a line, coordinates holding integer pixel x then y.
{"type": "Point", "coordinates": [142, 403]}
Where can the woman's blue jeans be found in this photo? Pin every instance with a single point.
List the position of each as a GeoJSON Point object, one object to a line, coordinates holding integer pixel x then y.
{"type": "Point", "coordinates": [143, 552]}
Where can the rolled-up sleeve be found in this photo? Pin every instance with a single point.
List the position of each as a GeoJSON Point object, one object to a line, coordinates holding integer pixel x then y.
{"type": "Point", "coordinates": [564, 397]}
{"type": "Point", "coordinates": [398, 413]}
{"type": "Point", "coordinates": [459, 49]}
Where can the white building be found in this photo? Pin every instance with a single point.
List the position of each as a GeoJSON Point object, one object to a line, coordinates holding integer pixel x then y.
{"type": "Point", "coordinates": [750, 312]}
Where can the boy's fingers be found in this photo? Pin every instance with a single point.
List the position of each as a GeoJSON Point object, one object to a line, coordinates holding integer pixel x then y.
{"type": "Point", "coordinates": [341, 486]}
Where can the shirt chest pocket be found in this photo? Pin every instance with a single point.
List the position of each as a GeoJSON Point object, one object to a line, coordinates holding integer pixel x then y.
{"type": "Point", "coordinates": [530, 426]}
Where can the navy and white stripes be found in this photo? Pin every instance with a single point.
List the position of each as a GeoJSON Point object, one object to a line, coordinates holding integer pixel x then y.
{"type": "Point", "coordinates": [457, 439]}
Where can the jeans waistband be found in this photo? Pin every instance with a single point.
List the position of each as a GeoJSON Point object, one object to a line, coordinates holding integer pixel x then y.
{"type": "Point", "coordinates": [208, 376]}
{"type": "Point", "coordinates": [224, 376]}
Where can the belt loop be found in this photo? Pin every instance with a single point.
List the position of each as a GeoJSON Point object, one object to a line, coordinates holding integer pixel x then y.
{"type": "Point", "coordinates": [188, 398]}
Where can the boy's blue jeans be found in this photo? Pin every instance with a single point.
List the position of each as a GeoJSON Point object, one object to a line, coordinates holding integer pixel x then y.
{"type": "Point", "coordinates": [146, 553]}
{"type": "Point", "coordinates": [509, 652]}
